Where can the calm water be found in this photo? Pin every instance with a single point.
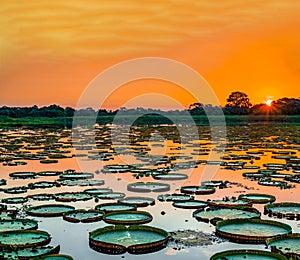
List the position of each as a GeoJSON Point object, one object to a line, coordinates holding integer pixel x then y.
{"type": "Point", "coordinates": [73, 237]}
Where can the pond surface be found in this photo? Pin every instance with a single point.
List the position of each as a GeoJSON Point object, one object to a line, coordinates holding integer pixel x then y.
{"type": "Point", "coordinates": [167, 156]}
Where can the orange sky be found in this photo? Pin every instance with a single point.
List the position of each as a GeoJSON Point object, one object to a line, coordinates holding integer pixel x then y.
{"type": "Point", "coordinates": [51, 50]}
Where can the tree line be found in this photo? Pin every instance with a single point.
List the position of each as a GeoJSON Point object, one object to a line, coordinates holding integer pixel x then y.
{"type": "Point", "coordinates": [238, 103]}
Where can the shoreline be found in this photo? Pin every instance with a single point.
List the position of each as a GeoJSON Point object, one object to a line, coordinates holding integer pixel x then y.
{"type": "Point", "coordinates": [201, 120]}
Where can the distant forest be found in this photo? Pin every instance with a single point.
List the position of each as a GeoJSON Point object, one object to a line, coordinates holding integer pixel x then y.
{"type": "Point", "coordinates": [238, 103]}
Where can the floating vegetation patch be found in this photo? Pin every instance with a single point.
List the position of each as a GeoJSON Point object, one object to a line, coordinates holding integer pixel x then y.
{"type": "Point", "coordinates": [181, 239]}
{"type": "Point", "coordinates": [133, 239]}
{"type": "Point", "coordinates": [250, 230]}
{"type": "Point", "coordinates": [72, 196]}
{"type": "Point", "coordinates": [128, 218]}
{"type": "Point", "coordinates": [191, 204]}
{"type": "Point", "coordinates": [148, 187]}
{"type": "Point", "coordinates": [256, 198]}
{"type": "Point", "coordinates": [286, 244]}
{"type": "Point", "coordinates": [111, 207]}
{"type": "Point", "coordinates": [24, 238]}
{"type": "Point", "coordinates": [214, 215]}
{"type": "Point", "coordinates": [288, 210]}
{"type": "Point", "coordinates": [17, 224]}
{"type": "Point", "coordinates": [28, 253]}
{"type": "Point", "coordinates": [51, 210]}
{"type": "Point", "coordinates": [84, 216]}
{"type": "Point", "coordinates": [2, 182]}
{"type": "Point", "coordinates": [247, 254]}
{"type": "Point", "coordinates": [198, 190]}
{"type": "Point", "coordinates": [175, 197]}
{"type": "Point", "coordinates": [138, 201]}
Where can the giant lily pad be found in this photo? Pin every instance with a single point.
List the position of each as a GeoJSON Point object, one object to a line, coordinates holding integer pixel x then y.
{"type": "Point", "coordinates": [54, 257]}
{"type": "Point", "coordinates": [213, 215]}
{"type": "Point", "coordinates": [42, 197]}
{"type": "Point", "coordinates": [257, 198]}
{"type": "Point", "coordinates": [49, 173]}
{"type": "Point", "coordinates": [134, 239]}
{"type": "Point", "coordinates": [175, 197]}
{"type": "Point", "coordinates": [248, 254]}
{"type": "Point", "coordinates": [198, 190]}
{"type": "Point", "coordinates": [17, 224]}
{"type": "Point", "coordinates": [229, 202]}
{"type": "Point", "coordinates": [51, 210]}
{"type": "Point", "coordinates": [289, 210]}
{"type": "Point", "coordinates": [97, 191]}
{"type": "Point", "coordinates": [84, 216]}
{"type": "Point", "coordinates": [42, 185]}
{"type": "Point", "coordinates": [128, 217]}
{"type": "Point", "coordinates": [15, 200]}
{"type": "Point", "coordinates": [28, 253]}
{"type": "Point", "coordinates": [16, 190]}
{"type": "Point", "coordinates": [76, 176]}
{"type": "Point", "coordinates": [72, 196]}
{"type": "Point", "coordinates": [22, 175]}
{"type": "Point", "coordinates": [24, 238]}
{"type": "Point", "coordinates": [111, 195]}
{"type": "Point", "coordinates": [191, 204]}
{"type": "Point", "coordinates": [251, 230]}
{"type": "Point", "coordinates": [8, 214]}
{"type": "Point", "coordinates": [111, 207]}
{"type": "Point", "coordinates": [170, 176]}
{"type": "Point", "coordinates": [138, 201]}
{"type": "Point", "coordinates": [148, 187]}
{"type": "Point", "coordinates": [286, 244]}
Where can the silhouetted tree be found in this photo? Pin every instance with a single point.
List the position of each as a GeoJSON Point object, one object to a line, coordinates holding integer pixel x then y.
{"type": "Point", "coordinates": [238, 103]}
{"type": "Point", "coordinates": [196, 109]}
{"type": "Point", "coordinates": [69, 111]}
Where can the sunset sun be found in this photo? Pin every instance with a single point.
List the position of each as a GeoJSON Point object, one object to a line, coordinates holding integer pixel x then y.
{"type": "Point", "coordinates": [269, 102]}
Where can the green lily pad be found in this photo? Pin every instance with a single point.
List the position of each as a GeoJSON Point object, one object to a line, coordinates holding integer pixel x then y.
{"type": "Point", "coordinates": [134, 239]}
{"type": "Point", "coordinates": [111, 207]}
{"type": "Point", "coordinates": [248, 254]}
{"type": "Point", "coordinates": [138, 201]}
{"type": "Point", "coordinates": [286, 244]}
{"type": "Point", "coordinates": [128, 217]}
{"type": "Point", "coordinates": [148, 187]}
{"type": "Point", "coordinates": [250, 230]}
{"type": "Point", "coordinates": [51, 210]}
{"type": "Point", "coordinates": [84, 216]}
{"type": "Point", "coordinates": [24, 238]}
{"type": "Point", "coordinates": [17, 224]}
{"type": "Point", "coordinates": [257, 198]}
